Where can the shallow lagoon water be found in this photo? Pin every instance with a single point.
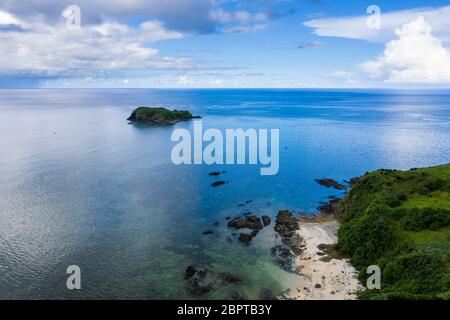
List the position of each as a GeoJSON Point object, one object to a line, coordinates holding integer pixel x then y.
{"type": "Point", "coordinates": [78, 185]}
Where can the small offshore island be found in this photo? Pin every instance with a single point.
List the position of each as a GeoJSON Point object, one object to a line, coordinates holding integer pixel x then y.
{"type": "Point", "coordinates": [160, 116]}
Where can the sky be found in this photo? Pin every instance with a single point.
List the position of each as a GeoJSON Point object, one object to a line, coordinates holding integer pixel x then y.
{"type": "Point", "coordinates": [224, 44]}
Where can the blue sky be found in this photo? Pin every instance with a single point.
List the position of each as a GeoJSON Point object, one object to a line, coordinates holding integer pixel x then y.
{"type": "Point", "coordinates": [224, 44]}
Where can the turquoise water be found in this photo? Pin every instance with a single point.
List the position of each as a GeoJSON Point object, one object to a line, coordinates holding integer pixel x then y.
{"type": "Point", "coordinates": [78, 185]}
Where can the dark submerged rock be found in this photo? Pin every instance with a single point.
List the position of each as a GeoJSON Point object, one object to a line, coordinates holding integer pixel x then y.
{"type": "Point", "coordinates": [196, 283]}
{"type": "Point", "coordinates": [284, 258]}
{"type": "Point", "coordinates": [267, 294]}
{"type": "Point", "coordinates": [217, 183]}
{"type": "Point", "coordinates": [251, 222]}
{"type": "Point", "coordinates": [197, 289]}
{"type": "Point", "coordinates": [247, 237]}
{"type": "Point", "coordinates": [238, 296]}
{"type": "Point", "coordinates": [189, 272]}
{"type": "Point", "coordinates": [266, 220]}
{"type": "Point", "coordinates": [228, 278]}
{"type": "Point", "coordinates": [281, 251]}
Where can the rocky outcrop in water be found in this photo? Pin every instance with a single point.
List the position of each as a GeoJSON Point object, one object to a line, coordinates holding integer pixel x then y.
{"type": "Point", "coordinates": [267, 294]}
{"type": "Point", "coordinates": [238, 296]}
{"type": "Point", "coordinates": [218, 183]}
{"type": "Point", "coordinates": [286, 225]}
{"type": "Point", "coordinates": [196, 281]}
{"type": "Point", "coordinates": [247, 237]}
{"type": "Point", "coordinates": [200, 281]}
{"type": "Point", "coordinates": [189, 272]}
{"type": "Point", "coordinates": [250, 222]}
{"type": "Point", "coordinates": [216, 173]}
{"type": "Point", "coordinates": [228, 278]}
{"type": "Point", "coordinates": [266, 220]}
{"type": "Point", "coordinates": [330, 207]}
{"type": "Point", "coordinates": [330, 183]}
{"type": "Point", "coordinates": [283, 257]}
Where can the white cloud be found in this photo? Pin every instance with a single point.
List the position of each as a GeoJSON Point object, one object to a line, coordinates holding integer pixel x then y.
{"type": "Point", "coordinates": [245, 29]}
{"type": "Point", "coordinates": [181, 15]}
{"type": "Point", "coordinates": [243, 17]}
{"type": "Point", "coordinates": [183, 80]}
{"type": "Point", "coordinates": [187, 16]}
{"type": "Point", "coordinates": [346, 75]}
{"type": "Point", "coordinates": [38, 48]}
{"type": "Point", "coordinates": [355, 27]}
{"type": "Point", "coordinates": [341, 74]}
{"type": "Point", "coordinates": [416, 56]}
{"type": "Point", "coordinates": [312, 44]}
{"type": "Point", "coordinates": [239, 21]}
{"type": "Point", "coordinates": [7, 18]}
{"type": "Point", "coordinates": [216, 82]}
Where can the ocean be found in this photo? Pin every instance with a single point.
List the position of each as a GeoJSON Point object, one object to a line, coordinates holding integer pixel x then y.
{"type": "Point", "coordinates": [81, 186]}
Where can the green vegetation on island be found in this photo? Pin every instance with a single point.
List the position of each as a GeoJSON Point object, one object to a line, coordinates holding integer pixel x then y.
{"type": "Point", "coordinates": [400, 221]}
{"type": "Point", "coordinates": [161, 116]}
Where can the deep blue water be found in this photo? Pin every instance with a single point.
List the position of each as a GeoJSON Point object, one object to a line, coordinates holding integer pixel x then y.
{"type": "Point", "coordinates": [78, 185]}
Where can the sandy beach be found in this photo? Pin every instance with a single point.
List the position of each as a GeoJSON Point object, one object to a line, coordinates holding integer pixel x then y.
{"type": "Point", "coordinates": [322, 276]}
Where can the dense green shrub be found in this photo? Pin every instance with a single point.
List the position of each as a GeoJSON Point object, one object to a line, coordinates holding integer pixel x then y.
{"type": "Point", "coordinates": [393, 198]}
{"type": "Point", "coordinates": [417, 271]}
{"type": "Point", "coordinates": [366, 240]}
{"type": "Point", "coordinates": [426, 218]}
{"type": "Point", "coordinates": [421, 274]}
{"type": "Point", "coordinates": [434, 184]}
{"type": "Point", "coordinates": [379, 227]}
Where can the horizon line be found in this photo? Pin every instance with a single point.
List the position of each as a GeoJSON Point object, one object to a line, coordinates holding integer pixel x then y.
{"type": "Point", "coordinates": [228, 88]}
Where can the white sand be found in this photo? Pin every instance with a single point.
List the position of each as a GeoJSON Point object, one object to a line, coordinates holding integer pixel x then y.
{"type": "Point", "coordinates": [337, 278]}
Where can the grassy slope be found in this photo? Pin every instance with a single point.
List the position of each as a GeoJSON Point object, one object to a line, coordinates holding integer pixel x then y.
{"type": "Point", "coordinates": [400, 220]}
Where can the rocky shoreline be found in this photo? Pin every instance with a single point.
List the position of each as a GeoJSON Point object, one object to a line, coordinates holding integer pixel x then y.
{"type": "Point", "coordinates": [324, 273]}
{"type": "Point", "coordinates": [305, 249]}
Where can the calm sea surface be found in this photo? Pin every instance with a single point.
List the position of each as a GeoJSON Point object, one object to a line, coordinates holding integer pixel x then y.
{"type": "Point", "coordinates": [80, 186]}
